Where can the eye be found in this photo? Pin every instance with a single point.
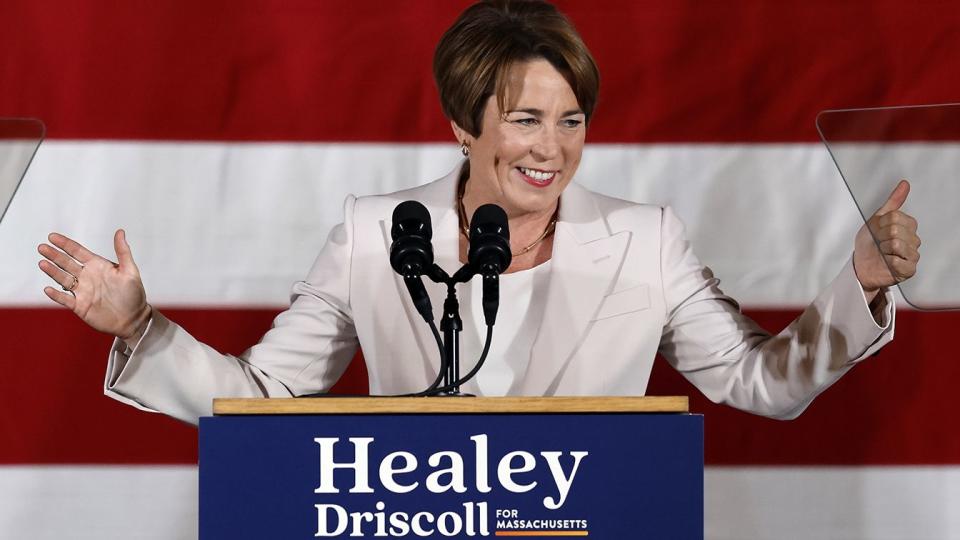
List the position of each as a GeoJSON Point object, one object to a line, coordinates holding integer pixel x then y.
{"type": "Point", "coordinates": [528, 121]}
{"type": "Point", "coordinates": [571, 123]}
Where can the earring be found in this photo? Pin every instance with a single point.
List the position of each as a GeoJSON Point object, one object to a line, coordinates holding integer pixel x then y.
{"type": "Point", "coordinates": [465, 149]}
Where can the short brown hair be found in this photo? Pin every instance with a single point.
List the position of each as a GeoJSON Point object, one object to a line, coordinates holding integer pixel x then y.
{"type": "Point", "coordinates": [474, 56]}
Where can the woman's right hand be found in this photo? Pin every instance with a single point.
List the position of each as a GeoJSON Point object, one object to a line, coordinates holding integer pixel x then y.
{"type": "Point", "coordinates": [107, 296]}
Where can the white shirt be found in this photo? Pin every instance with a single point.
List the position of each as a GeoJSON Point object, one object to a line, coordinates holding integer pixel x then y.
{"type": "Point", "coordinates": [522, 298]}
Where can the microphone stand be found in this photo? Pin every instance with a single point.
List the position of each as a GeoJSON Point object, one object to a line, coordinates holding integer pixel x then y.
{"type": "Point", "coordinates": [451, 324]}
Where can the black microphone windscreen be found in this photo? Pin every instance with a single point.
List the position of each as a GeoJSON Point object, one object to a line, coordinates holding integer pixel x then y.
{"type": "Point", "coordinates": [411, 253]}
{"type": "Point", "coordinates": [411, 212]}
{"type": "Point", "coordinates": [493, 216]}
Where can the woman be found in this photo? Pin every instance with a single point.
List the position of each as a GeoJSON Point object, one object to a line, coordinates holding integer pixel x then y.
{"type": "Point", "coordinates": [597, 285]}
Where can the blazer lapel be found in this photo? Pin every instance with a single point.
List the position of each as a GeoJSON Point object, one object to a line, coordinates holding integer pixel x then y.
{"type": "Point", "coordinates": [586, 260]}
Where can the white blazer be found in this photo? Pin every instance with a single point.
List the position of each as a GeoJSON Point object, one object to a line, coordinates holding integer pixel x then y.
{"type": "Point", "coordinates": [624, 285]}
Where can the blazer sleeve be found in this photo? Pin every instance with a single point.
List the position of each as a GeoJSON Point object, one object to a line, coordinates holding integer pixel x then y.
{"type": "Point", "coordinates": [733, 361]}
{"type": "Point", "coordinates": [306, 350]}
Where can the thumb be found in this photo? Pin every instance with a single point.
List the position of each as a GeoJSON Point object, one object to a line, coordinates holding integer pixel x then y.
{"type": "Point", "coordinates": [124, 255]}
{"type": "Point", "coordinates": [896, 199]}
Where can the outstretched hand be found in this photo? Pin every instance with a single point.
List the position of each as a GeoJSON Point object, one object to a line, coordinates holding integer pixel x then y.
{"type": "Point", "coordinates": [107, 296]}
{"type": "Point", "coordinates": [896, 236]}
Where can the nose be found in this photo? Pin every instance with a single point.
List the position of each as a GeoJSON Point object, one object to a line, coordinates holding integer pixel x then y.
{"type": "Point", "coordinates": [547, 145]}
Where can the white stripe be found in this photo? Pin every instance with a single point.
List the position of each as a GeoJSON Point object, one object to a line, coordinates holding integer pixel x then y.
{"type": "Point", "coordinates": [742, 503]}
{"type": "Point", "coordinates": [839, 503]}
{"type": "Point", "coordinates": [98, 502]}
{"type": "Point", "coordinates": [229, 224]}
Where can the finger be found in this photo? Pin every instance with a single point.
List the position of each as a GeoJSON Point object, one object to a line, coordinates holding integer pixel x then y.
{"type": "Point", "coordinates": [910, 254]}
{"type": "Point", "coordinates": [64, 299]}
{"type": "Point", "coordinates": [896, 217]}
{"type": "Point", "coordinates": [899, 232]}
{"type": "Point", "coordinates": [896, 199]}
{"type": "Point", "coordinates": [903, 269]}
{"type": "Point", "coordinates": [124, 254]}
{"type": "Point", "coordinates": [61, 259]}
{"type": "Point", "coordinates": [895, 248]}
{"type": "Point", "coordinates": [909, 221]}
{"type": "Point", "coordinates": [73, 248]}
{"type": "Point", "coordinates": [898, 268]}
{"type": "Point", "coordinates": [55, 273]}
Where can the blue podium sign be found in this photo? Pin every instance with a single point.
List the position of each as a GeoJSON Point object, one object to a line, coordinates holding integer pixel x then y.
{"type": "Point", "coordinates": [616, 476]}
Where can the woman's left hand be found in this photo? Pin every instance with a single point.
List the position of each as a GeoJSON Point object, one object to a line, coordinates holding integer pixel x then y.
{"type": "Point", "coordinates": [896, 235]}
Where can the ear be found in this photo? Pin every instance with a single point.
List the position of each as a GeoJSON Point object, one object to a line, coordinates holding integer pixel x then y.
{"type": "Point", "coordinates": [461, 134]}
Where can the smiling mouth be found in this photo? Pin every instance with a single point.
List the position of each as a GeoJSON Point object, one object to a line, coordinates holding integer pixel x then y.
{"type": "Point", "coordinates": [537, 177]}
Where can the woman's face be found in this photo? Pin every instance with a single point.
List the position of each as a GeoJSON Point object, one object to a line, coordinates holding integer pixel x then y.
{"type": "Point", "coordinates": [526, 155]}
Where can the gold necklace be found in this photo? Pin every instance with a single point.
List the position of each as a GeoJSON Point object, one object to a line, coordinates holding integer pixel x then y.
{"type": "Point", "coordinates": [465, 229]}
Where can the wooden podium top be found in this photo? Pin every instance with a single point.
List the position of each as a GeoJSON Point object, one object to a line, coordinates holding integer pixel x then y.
{"type": "Point", "coordinates": [456, 405]}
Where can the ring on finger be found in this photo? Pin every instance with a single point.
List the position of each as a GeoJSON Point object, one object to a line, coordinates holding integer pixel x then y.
{"type": "Point", "coordinates": [72, 285]}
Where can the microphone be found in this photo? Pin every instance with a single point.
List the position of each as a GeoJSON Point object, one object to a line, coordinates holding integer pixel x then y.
{"type": "Point", "coordinates": [411, 254]}
{"type": "Point", "coordinates": [489, 254]}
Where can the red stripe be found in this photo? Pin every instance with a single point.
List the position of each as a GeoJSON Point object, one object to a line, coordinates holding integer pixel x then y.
{"type": "Point", "coordinates": [339, 70]}
{"type": "Point", "coordinates": [896, 408]}
{"type": "Point", "coordinates": [55, 412]}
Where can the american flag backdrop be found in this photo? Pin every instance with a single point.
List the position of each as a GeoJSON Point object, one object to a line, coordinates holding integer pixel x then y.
{"type": "Point", "coordinates": [224, 136]}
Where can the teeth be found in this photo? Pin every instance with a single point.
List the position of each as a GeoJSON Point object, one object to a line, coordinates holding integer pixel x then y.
{"type": "Point", "coordinates": [537, 175]}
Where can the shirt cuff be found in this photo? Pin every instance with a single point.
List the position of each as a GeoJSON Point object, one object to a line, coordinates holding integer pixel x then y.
{"type": "Point", "coordinates": [867, 326]}
{"type": "Point", "coordinates": [121, 353]}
